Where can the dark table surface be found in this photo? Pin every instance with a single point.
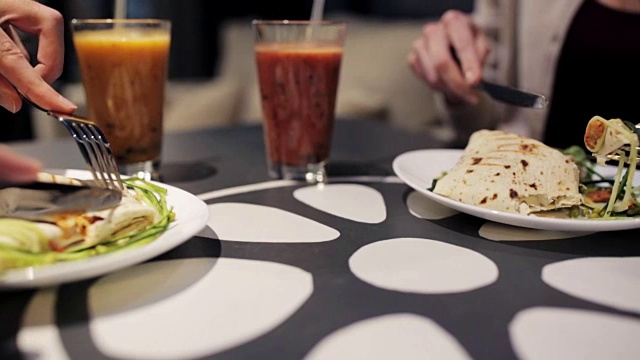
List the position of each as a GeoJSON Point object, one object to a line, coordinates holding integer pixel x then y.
{"type": "Point", "coordinates": [205, 160]}
{"type": "Point", "coordinates": [362, 268]}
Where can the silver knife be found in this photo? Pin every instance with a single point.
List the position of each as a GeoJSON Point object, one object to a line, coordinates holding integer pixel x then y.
{"type": "Point", "coordinates": [39, 199]}
{"type": "Point", "coordinates": [513, 96]}
{"type": "Point", "coordinates": [507, 94]}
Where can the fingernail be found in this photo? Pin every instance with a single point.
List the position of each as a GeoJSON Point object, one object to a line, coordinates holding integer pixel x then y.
{"type": "Point", "coordinates": [468, 75]}
{"type": "Point", "coordinates": [14, 107]}
{"type": "Point", "coordinates": [67, 102]}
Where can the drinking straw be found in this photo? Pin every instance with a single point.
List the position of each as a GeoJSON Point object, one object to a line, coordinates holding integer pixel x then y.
{"type": "Point", "coordinates": [317, 10]}
{"type": "Point", "coordinates": [120, 9]}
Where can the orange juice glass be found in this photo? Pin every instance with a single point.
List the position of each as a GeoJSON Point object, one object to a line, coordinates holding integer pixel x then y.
{"type": "Point", "coordinates": [298, 65]}
{"type": "Point", "coordinates": [123, 65]}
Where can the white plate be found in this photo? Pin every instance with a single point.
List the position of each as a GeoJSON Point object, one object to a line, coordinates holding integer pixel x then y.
{"type": "Point", "coordinates": [418, 169]}
{"type": "Point", "coordinates": [191, 217]}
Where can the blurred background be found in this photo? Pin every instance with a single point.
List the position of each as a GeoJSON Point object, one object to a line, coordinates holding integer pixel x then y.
{"type": "Point", "coordinates": [211, 59]}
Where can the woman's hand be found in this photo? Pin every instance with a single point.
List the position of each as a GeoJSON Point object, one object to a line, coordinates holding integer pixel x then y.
{"type": "Point", "coordinates": [432, 58]}
{"type": "Point", "coordinates": [47, 24]}
{"type": "Point", "coordinates": [16, 71]}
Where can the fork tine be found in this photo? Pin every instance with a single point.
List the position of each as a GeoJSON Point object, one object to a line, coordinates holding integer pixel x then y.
{"type": "Point", "coordinates": [623, 153]}
{"type": "Point", "coordinates": [95, 149]}
{"type": "Point", "coordinates": [100, 155]}
{"type": "Point", "coordinates": [109, 160]}
{"type": "Point", "coordinates": [84, 149]}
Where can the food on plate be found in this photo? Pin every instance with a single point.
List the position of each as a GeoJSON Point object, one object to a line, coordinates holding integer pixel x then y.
{"type": "Point", "coordinates": [610, 137]}
{"type": "Point", "coordinates": [607, 140]}
{"type": "Point", "coordinates": [507, 172]}
{"type": "Point", "coordinates": [141, 216]}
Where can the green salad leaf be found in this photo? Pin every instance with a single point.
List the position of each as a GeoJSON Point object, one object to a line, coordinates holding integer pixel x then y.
{"type": "Point", "coordinates": [605, 197]}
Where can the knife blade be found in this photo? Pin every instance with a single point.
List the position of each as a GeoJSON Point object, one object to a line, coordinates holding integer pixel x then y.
{"type": "Point", "coordinates": [37, 200]}
{"type": "Point", "coordinates": [513, 96]}
{"type": "Point", "coordinates": [507, 94]}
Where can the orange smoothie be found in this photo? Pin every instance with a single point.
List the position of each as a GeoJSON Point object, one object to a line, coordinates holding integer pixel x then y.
{"type": "Point", "coordinates": [298, 86]}
{"type": "Point", "coordinates": [124, 72]}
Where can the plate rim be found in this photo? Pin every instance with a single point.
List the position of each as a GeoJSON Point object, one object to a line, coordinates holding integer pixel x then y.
{"type": "Point", "coordinates": [519, 220]}
{"type": "Point", "coordinates": [183, 229]}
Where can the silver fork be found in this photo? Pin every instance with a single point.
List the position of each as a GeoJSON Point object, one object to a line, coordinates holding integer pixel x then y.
{"type": "Point", "coordinates": [93, 145]}
{"type": "Point", "coordinates": [618, 156]}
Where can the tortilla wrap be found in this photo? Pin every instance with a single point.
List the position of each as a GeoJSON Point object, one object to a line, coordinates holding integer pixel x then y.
{"type": "Point", "coordinates": [507, 172]}
{"type": "Point", "coordinates": [82, 230]}
{"type": "Point", "coordinates": [91, 228]}
{"type": "Point", "coordinates": [603, 137]}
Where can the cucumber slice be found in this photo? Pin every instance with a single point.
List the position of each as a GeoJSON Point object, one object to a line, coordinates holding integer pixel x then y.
{"type": "Point", "coordinates": [22, 234]}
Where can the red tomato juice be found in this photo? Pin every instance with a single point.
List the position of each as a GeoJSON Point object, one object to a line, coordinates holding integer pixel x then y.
{"type": "Point", "coordinates": [298, 86]}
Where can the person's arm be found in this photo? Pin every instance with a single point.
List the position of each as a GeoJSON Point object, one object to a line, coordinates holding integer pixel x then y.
{"type": "Point", "coordinates": [16, 71]}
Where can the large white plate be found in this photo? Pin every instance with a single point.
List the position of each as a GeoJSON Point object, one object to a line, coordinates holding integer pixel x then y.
{"type": "Point", "coordinates": [191, 217]}
{"type": "Point", "coordinates": [418, 168]}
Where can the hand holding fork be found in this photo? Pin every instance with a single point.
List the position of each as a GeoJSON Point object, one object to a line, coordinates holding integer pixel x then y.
{"type": "Point", "coordinates": [15, 70]}
{"type": "Point", "coordinates": [17, 73]}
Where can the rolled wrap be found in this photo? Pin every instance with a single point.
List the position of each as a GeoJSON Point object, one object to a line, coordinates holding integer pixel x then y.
{"type": "Point", "coordinates": [603, 137]}
{"type": "Point", "coordinates": [507, 172]}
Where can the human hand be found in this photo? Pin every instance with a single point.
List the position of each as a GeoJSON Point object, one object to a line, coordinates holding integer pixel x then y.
{"type": "Point", "coordinates": [17, 168]}
{"type": "Point", "coordinates": [431, 57]}
{"type": "Point", "coordinates": [16, 71]}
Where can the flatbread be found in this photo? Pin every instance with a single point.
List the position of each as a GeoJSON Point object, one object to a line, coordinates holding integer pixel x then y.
{"type": "Point", "coordinates": [74, 231]}
{"type": "Point", "coordinates": [91, 228]}
{"type": "Point", "coordinates": [507, 172]}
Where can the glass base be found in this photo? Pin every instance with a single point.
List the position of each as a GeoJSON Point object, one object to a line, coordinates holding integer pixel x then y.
{"type": "Point", "coordinates": [148, 170]}
{"type": "Point", "coordinates": [311, 173]}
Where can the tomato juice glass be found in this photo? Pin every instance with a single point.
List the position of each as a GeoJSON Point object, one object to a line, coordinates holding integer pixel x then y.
{"type": "Point", "coordinates": [298, 66]}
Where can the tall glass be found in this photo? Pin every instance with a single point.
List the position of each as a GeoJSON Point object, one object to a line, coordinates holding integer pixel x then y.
{"type": "Point", "coordinates": [298, 65]}
{"type": "Point", "coordinates": [124, 65]}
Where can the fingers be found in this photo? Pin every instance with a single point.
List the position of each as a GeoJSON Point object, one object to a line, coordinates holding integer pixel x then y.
{"type": "Point", "coordinates": [461, 33]}
{"type": "Point", "coordinates": [15, 69]}
{"type": "Point", "coordinates": [51, 46]}
{"type": "Point", "coordinates": [482, 46]}
{"type": "Point", "coordinates": [422, 65]}
{"type": "Point", "coordinates": [37, 19]}
{"type": "Point", "coordinates": [18, 168]}
{"type": "Point", "coordinates": [431, 58]}
{"type": "Point", "coordinates": [9, 98]}
{"type": "Point", "coordinates": [31, 17]}
{"type": "Point", "coordinates": [13, 34]}
{"type": "Point", "coordinates": [11, 61]}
